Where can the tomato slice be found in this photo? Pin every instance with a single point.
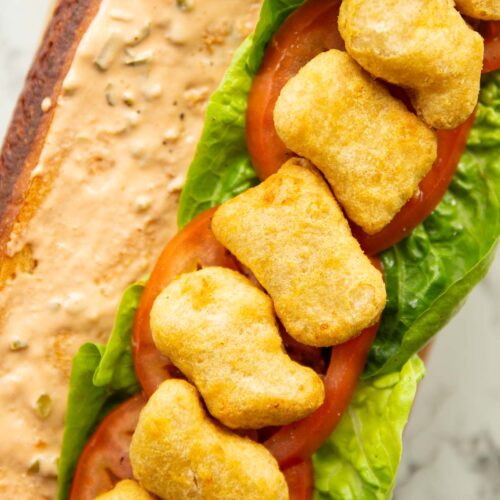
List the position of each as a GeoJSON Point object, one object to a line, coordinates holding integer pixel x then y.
{"type": "Point", "coordinates": [307, 32]}
{"type": "Point", "coordinates": [491, 47]}
{"type": "Point", "coordinates": [193, 248]}
{"type": "Point", "coordinates": [300, 480]}
{"type": "Point", "coordinates": [104, 460]}
{"type": "Point", "coordinates": [296, 442]}
{"type": "Point", "coordinates": [451, 144]}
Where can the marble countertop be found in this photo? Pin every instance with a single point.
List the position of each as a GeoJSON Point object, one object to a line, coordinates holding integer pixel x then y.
{"type": "Point", "coordinates": [452, 444]}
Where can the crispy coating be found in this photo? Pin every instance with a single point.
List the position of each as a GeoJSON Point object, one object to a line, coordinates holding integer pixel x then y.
{"type": "Point", "coordinates": [293, 236]}
{"type": "Point", "coordinates": [220, 331]}
{"type": "Point", "coordinates": [126, 490]}
{"type": "Point", "coordinates": [178, 452]}
{"type": "Point", "coordinates": [480, 9]}
{"type": "Point", "coordinates": [423, 45]}
{"type": "Point", "coordinates": [371, 149]}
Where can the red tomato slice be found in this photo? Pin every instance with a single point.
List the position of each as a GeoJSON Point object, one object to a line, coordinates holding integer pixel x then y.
{"type": "Point", "coordinates": [104, 460]}
{"type": "Point", "coordinates": [296, 442]}
{"type": "Point", "coordinates": [307, 32]}
{"type": "Point", "coordinates": [491, 47]}
{"type": "Point", "coordinates": [300, 480]}
{"type": "Point", "coordinates": [193, 248]}
{"type": "Point", "coordinates": [451, 144]}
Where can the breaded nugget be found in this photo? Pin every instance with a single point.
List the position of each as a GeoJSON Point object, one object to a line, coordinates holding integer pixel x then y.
{"type": "Point", "coordinates": [220, 330]}
{"type": "Point", "coordinates": [126, 490]}
{"type": "Point", "coordinates": [370, 148]}
{"type": "Point", "coordinates": [178, 452]}
{"type": "Point", "coordinates": [293, 236]}
{"type": "Point", "coordinates": [480, 9]}
{"type": "Point", "coordinates": [423, 45]}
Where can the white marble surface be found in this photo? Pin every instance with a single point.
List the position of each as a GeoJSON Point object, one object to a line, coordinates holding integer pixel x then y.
{"type": "Point", "coordinates": [452, 445]}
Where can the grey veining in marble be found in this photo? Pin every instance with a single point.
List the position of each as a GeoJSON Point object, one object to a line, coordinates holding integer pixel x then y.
{"type": "Point", "coordinates": [452, 445]}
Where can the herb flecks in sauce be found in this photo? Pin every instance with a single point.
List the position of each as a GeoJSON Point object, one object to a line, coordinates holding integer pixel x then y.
{"type": "Point", "coordinates": [111, 203]}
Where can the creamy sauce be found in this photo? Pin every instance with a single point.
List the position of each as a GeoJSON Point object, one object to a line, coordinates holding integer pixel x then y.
{"type": "Point", "coordinates": [123, 134]}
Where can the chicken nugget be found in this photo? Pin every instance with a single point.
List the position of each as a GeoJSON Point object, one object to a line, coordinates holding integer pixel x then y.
{"type": "Point", "coordinates": [370, 148]}
{"type": "Point", "coordinates": [220, 330]}
{"type": "Point", "coordinates": [291, 233]}
{"type": "Point", "coordinates": [178, 452]}
{"type": "Point", "coordinates": [423, 45]}
{"type": "Point", "coordinates": [480, 9]}
{"type": "Point", "coordinates": [126, 490]}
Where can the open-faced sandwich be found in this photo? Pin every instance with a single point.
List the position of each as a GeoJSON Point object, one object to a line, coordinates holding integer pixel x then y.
{"type": "Point", "coordinates": [342, 201]}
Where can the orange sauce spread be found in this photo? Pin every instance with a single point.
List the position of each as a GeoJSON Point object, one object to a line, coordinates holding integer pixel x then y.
{"type": "Point", "coordinates": [124, 131]}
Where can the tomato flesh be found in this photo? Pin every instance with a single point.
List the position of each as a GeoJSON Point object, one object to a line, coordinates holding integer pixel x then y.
{"type": "Point", "coordinates": [491, 46]}
{"type": "Point", "coordinates": [451, 144]}
{"type": "Point", "coordinates": [105, 460]}
{"type": "Point", "coordinates": [296, 442]}
{"type": "Point", "coordinates": [306, 33]}
{"type": "Point", "coordinates": [193, 248]}
{"type": "Point", "coordinates": [300, 480]}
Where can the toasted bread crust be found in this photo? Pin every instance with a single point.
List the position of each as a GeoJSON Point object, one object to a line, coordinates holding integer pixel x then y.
{"type": "Point", "coordinates": [26, 135]}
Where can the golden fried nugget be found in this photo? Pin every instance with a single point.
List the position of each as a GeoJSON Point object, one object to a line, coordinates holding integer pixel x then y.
{"type": "Point", "coordinates": [480, 9]}
{"type": "Point", "coordinates": [220, 331]}
{"type": "Point", "coordinates": [423, 45]}
{"type": "Point", "coordinates": [178, 452]}
{"type": "Point", "coordinates": [371, 149]}
{"type": "Point", "coordinates": [126, 490]}
{"type": "Point", "coordinates": [293, 236]}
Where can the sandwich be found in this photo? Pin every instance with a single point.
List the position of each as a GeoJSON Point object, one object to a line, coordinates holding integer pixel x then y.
{"type": "Point", "coordinates": [332, 221]}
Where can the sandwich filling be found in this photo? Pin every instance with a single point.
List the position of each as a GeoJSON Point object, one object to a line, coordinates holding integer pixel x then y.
{"type": "Point", "coordinates": [109, 176]}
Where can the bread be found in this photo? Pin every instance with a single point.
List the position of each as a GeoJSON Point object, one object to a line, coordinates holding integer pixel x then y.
{"type": "Point", "coordinates": [89, 184]}
{"type": "Point", "coordinates": [30, 124]}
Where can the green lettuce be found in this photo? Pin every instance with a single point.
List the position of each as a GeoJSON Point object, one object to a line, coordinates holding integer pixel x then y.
{"type": "Point", "coordinates": [430, 273]}
{"type": "Point", "coordinates": [101, 377]}
{"type": "Point", "coordinates": [428, 277]}
{"type": "Point", "coordinates": [361, 458]}
{"type": "Point", "coordinates": [221, 168]}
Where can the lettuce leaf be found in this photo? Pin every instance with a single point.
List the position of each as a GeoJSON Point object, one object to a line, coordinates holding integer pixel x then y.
{"type": "Point", "coordinates": [429, 274]}
{"type": "Point", "coordinates": [101, 377]}
{"type": "Point", "coordinates": [221, 168]}
{"type": "Point", "coordinates": [361, 458]}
